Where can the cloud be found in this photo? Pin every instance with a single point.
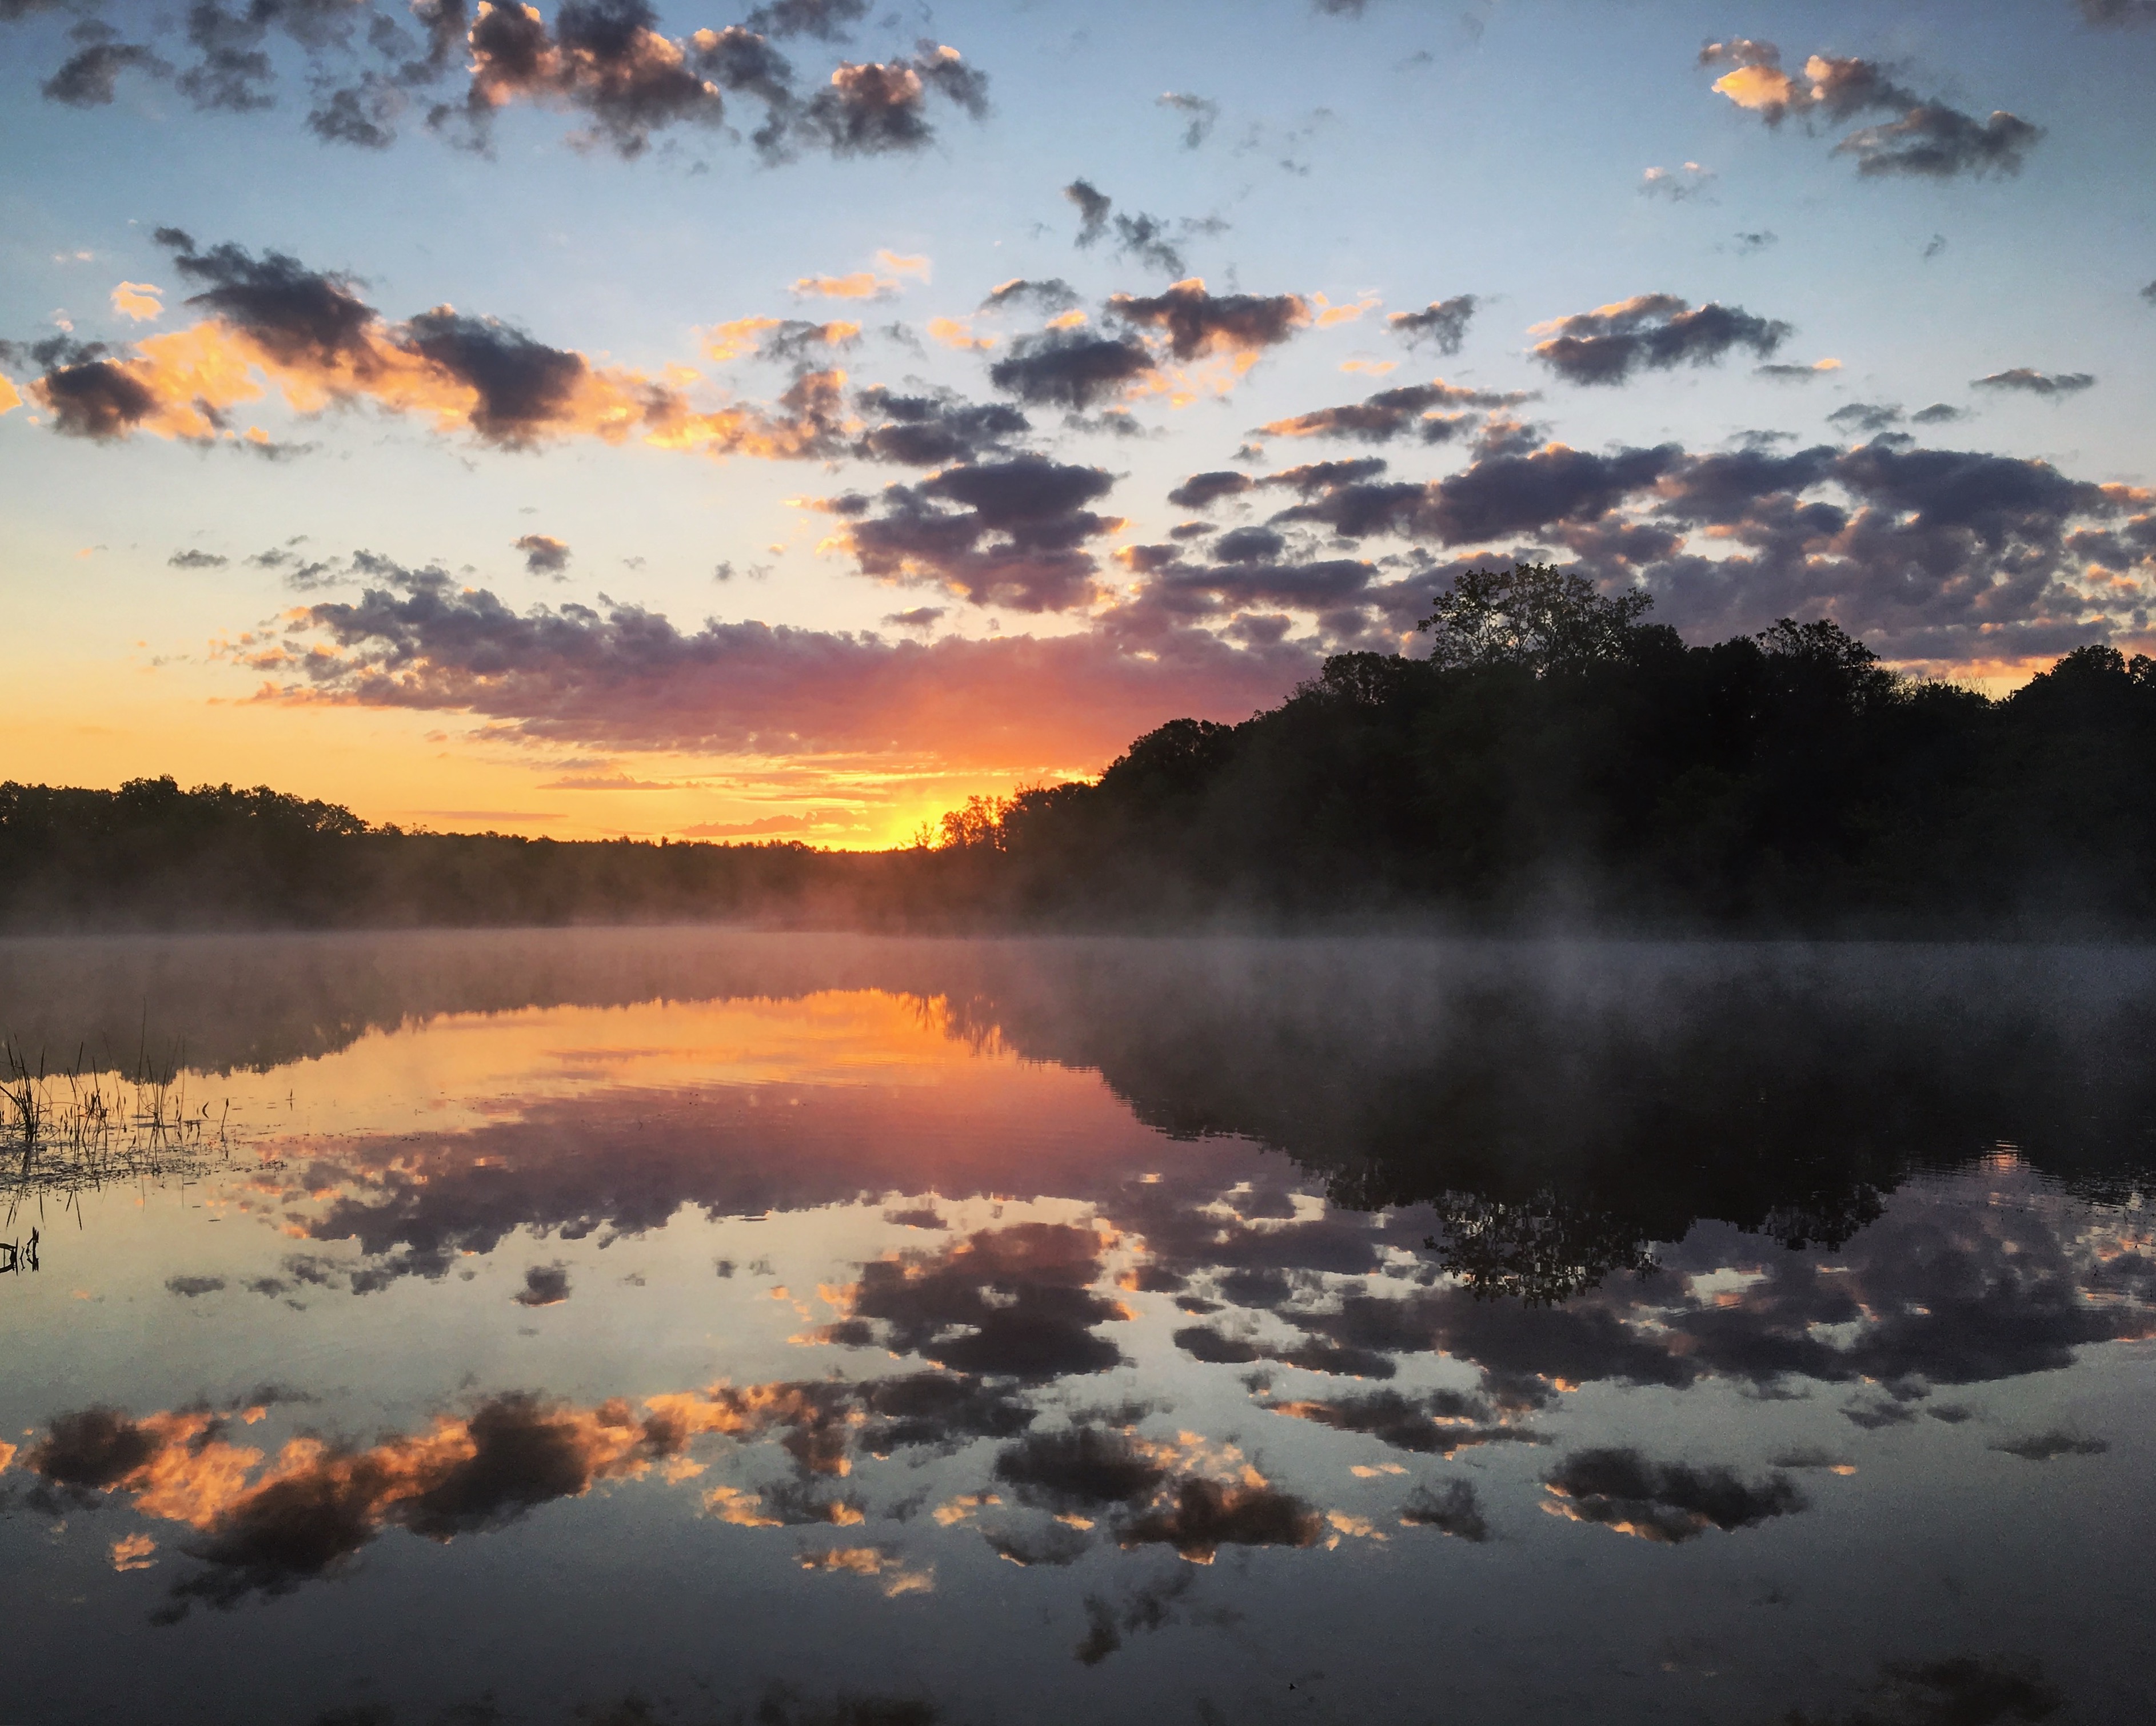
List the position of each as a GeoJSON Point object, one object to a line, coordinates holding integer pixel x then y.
{"type": "Point", "coordinates": [1677, 184]}
{"type": "Point", "coordinates": [1939, 143]}
{"type": "Point", "coordinates": [294, 313]}
{"type": "Point", "coordinates": [317, 1504]}
{"type": "Point", "coordinates": [193, 559]}
{"type": "Point", "coordinates": [1839, 88]}
{"type": "Point", "coordinates": [604, 59]}
{"type": "Point", "coordinates": [90, 77]}
{"type": "Point", "coordinates": [1650, 332]}
{"type": "Point", "coordinates": [1083, 1468]}
{"type": "Point", "coordinates": [1198, 323]}
{"type": "Point", "coordinates": [828, 20]}
{"type": "Point", "coordinates": [1145, 238]}
{"type": "Point", "coordinates": [876, 108]}
{"type": "Point", "coordinates": [1072, 367]}
{"type": "Point", "coordinates": [1093, 208]}
{"type": "Point", "coordinates": [1393, 413]}
{"type": "Point", "coordinates": [138, 302]}
{"type": "Point", "coordinates": [1200, 114]}
{"type": "Point", "coordinates": [1456, 1512]}
{"type": "Point", "coordinates": [1667, 1502]}
{"type": "Point", "coordinates": [1867, 417]}
{"type": "Point", "coordinates": [544, 1286]}
{"type": "Point", "coordinates": [959, 332]}
{"type": "Point", "coordinates": [1797, 374]}
{"type": "Point", "coordinates": [742, 336]}
{"type": "Point", "coordinates": [860, 284]}
{"type": "Point", "coordinates": [94, 399]}
{"type": "Point", "coordinates": [1939, 414]}
{"type": "Point", "coordinates": [767, 827]}
{"type": "Point", "coordinates": [887, 1565]}
{"type": "Point", "coordinates": [1930, 139]}
{"type": "Point", "coordinates": [931, 430]}
{"type": "Point", "coordinates": [1008, 532]}
{"type": "Point", "coordinates": [1202, 491]}
{"type": "Point", "coordinates": [191, 1286]}
{"type": "Point", "coordinates": [2045, 1446]}
{"type": "Point", "coordinates": [1205, 1515]}
{"type": "Point", "coordinates": [1252, 568]}
{"type": "Point", "coordinates": [543, 554]}
{"type": "Point", "coordinates": [1434, 1424]}
{"type": "Point", "coordinates": [1011, 1302]}
{"type": "Point", "coordinates": [787, 340]}
{"type": "Point", "coordinates": [1048, 297]}
{"type": "Point", "coordinates": [1922, 551]}
{"type": "Point", "coordinates": [1142, 237]}
{"type": "Point", "coordinates": [309, 333]}
{"type": "Point", "coordinates": [2037, 384]}
{"type": "Point", "coordinates": [1147, 1607]}
{"type": "Point", "coordinates": [2119, 11]}
{"type": "Point", "coordinates": [1442, 323]}
{"type": "Point", "coordinates": [1497, 496]}
{"type": "Point", "coordinates": [267, 1529]}
{"type": "Point", "coordinates": [606, 62]}
{"type": "Point", "coordinates": [1965, 1688]}
{"type": "Point", "coordinates": [628, 678]}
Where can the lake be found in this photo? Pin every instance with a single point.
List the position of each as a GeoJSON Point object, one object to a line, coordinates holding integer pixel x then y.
{"type": "Point", "coordinates": [683, 1325]}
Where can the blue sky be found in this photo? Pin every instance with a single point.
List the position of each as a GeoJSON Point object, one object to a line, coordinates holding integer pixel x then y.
{"type": "Point", "coordinates": [1402, 157]}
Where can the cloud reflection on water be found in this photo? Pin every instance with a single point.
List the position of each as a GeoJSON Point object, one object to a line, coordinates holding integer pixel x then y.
{"type": "Point", "coordinates": [1317, 1277]}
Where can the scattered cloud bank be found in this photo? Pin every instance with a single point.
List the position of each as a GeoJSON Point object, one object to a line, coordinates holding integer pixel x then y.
{"type": "Point", "coordinates": [606, 62]}
{"type": "Point", "coordinates": [625, 678]}
{"type": "Point", "coordinates": [1928, 139]}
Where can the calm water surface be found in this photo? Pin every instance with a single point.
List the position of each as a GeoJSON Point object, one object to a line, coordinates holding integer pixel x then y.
{"type": "Point", "coordinates": [684, 1326]}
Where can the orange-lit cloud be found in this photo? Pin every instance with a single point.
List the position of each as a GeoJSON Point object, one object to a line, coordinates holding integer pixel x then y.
{"type": "Point", "coordinates": [184, 385]}
{"type": "Point", "coordinates": [138, 300]}
{"type": "Point", "coordinates": [885, 1566]}
{"type": "Point", "coordinates": [730, 340]}
{"type": "Point", "coordinates": [1758, 87]}
{"type": "Point", "coordinates": [861, 285]}
{"type": "Point", "coordinates": [958, 333]}
{"type": "Point", "coordinates": [267, 1529]}
{"type": "Point", "coordinates": [1328, 314]}
{"type": "Point", "coordinates": [276, 327]}
{"type": "Point", "coordinates": [132, 1552]}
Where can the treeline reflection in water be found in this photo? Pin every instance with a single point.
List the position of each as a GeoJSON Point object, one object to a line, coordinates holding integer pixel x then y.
{"type": "Point", "coordinates": [1164, 1271]}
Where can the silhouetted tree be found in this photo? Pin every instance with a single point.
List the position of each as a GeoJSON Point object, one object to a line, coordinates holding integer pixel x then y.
{"type": "Point", "coordinates": [1534, 615]}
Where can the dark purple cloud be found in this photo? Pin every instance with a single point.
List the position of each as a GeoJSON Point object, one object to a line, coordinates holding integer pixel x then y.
{"type": "Point", "coordinates": [1650, 332]}
{"type": "Point", "coordinates": [627, 678]}
{"type": "Point", "coordinates": [1010, 533]}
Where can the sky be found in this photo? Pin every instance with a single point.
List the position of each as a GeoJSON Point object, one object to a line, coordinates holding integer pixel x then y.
{"type": "Point", "coordinates": [616, 418]}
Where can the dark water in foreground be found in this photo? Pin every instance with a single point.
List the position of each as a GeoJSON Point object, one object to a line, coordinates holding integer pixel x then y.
{"type": "Point", "coordinates": [690, 1327]}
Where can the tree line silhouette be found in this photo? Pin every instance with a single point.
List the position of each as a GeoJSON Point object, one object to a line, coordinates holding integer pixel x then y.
{"type": "Point", "coordinates": [1556, 756]}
